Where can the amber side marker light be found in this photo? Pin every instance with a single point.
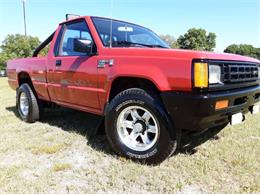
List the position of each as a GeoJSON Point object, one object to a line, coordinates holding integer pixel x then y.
{"type": "Point", "coordinates": [201, 77]}
{"type": "Point", "coordinates": [221, 104]}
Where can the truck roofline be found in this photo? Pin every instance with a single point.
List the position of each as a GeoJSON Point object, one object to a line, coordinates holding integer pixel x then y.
{"type": "Point", "coordinates": [106, 18]}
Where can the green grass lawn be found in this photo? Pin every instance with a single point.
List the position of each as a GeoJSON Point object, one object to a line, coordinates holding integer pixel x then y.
{"type": "Point", "coordinates": [56, 155]}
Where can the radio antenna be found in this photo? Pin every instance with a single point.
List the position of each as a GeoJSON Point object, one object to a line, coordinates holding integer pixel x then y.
{"type": "Point", "coordinates": [111, 22]}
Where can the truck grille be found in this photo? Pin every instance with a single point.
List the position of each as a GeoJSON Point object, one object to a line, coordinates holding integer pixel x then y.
{"type": "Point", "coordinates": [237, 73]}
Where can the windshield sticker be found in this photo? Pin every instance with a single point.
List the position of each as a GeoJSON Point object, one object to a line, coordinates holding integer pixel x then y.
{"type": "Point", "coordinates": [125, 29]}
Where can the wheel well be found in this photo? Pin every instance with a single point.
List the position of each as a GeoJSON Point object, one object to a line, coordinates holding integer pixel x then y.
{"type": "Point", "coordinates": [122, 83]}
{"type": "Point", "coordinates": [24, 77]}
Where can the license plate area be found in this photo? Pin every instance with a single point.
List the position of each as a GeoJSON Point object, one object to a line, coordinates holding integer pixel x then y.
{"type": "Point", "coordinates": [255, 109]}
{"type": "Point", "coordinates": [237, 119]}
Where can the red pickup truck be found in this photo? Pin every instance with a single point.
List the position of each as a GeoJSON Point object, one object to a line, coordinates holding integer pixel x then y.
{"type": "Point", "coordinates": [147, 92]}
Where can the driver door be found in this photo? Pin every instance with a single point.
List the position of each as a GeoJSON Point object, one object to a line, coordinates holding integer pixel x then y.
{"type": "Point", "coordinates": [72, 75]}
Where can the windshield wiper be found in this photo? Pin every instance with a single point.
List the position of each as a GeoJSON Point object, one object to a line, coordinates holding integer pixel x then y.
{"type": "Point", "coordinates": [129, 43]}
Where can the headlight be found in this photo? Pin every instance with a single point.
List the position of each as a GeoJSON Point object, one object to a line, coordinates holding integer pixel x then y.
{"type": "Point", "coordinates": [214, 74]}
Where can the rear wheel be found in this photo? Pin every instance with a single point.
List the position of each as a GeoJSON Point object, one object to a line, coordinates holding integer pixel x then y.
{"type": "Point", "coordinates": [29, 107]}
{"type": "Point", "coordinates": [137, 127]}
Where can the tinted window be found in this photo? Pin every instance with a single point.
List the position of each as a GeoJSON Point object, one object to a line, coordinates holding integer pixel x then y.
{"type": "Point", "coordinates": [125, 34]}
{"type": "Point", "coordinates": [70, 32]}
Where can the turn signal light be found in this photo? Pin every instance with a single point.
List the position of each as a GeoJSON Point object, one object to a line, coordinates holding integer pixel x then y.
{"type": "Point", "coordinates": [221, 104]}
{"type": "Point", "coordinates": [201, 78]}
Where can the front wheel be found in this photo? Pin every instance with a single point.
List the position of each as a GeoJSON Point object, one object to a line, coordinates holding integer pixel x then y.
{"type": "Point", "coordinates": [137, 127]}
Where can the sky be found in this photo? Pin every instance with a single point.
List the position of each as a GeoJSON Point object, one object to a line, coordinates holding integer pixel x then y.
{"type": "Point", "coordinates": [233, 21]}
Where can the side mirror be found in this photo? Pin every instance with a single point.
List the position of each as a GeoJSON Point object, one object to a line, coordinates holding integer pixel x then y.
{"type": "Point", "coordinates": [82, 45]}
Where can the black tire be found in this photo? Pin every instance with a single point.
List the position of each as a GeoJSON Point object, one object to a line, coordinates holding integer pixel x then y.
{"type": "Point", "coordinates": [34, 110]}
{"type": "Point", "coordinates": [167, 140]}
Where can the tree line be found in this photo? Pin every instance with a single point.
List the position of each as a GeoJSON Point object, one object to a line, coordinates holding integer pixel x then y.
{"type": "Point", "coordinates": [199, 39]}
{"type": "Point", "coordinates": [20, 46]}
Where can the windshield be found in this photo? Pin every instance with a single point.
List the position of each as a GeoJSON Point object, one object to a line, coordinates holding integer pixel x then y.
{"type": "Point", "coordinates": [126, 35]}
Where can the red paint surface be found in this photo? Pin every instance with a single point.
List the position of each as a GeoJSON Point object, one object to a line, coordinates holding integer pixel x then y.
{"type": "Point", "coordinates": [88, 88]}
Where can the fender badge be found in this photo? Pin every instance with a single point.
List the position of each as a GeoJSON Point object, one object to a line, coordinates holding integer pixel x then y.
{"type": "Point", "coordinates": [103, 63]}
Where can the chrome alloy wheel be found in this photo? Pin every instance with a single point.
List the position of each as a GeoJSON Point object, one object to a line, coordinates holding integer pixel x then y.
{"type": "Point", "coordinates": [24, 104]}
{"type": "Point", "coordinates": [137, 128]}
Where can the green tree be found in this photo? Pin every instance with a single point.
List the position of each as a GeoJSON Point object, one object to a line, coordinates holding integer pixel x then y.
{"type": "Point", "coordinates": [243, 49]}
{"type": "Point", "coordinates": [18, 46]}
{"type": "Point", "coordinates": [258, 53]}
{"type": "Point", "coordinates": [170, 40]}
{"type": "Point", "coordinates": [232, 49]}
{"type": "Point", "coordinates": [3, 60]}
{"type": "Point", "coordinates": [197, 39]}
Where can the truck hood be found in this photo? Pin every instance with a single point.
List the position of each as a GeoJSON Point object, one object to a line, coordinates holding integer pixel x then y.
{"type": "Point", "coordinates": [179, 54]}
{"type": "Point", "coordinates": [224, 56]}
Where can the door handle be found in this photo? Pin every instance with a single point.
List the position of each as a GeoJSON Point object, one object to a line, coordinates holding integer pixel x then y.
{"type": "Point", "coordinates": [58, 63]}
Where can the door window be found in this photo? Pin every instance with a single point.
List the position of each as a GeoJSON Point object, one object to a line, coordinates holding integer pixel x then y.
{"type": "Point", "coordinates": [71, 32]}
